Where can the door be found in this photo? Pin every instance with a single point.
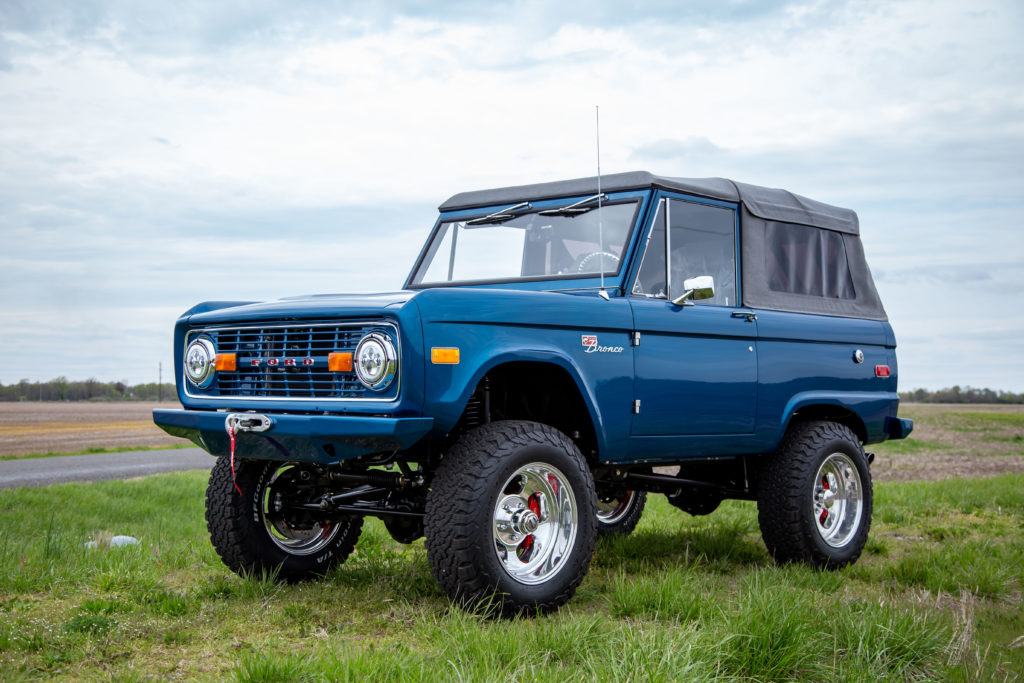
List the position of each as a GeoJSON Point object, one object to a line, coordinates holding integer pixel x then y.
{"type": "Point", "coordinates": [695, 364]}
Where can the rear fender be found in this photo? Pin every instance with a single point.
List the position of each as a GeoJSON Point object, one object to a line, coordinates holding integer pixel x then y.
{"type": "Point", "coordinates": [867, 410]}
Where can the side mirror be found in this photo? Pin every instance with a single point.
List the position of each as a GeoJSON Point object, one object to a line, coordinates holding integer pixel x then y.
{"type": "Point", "coordinates": [697, 288]}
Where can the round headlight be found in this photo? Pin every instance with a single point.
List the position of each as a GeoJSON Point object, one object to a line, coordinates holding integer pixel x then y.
{"type": "Point", "coordinates": [375, 361]}
{"type": "Point", "coordinates": [199, 363]}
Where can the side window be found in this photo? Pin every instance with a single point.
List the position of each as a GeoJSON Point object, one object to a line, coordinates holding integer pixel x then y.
{"type": "Point", "coordinates": [651, 280]}
{"type": "Point", "coordinates": [701, 241]}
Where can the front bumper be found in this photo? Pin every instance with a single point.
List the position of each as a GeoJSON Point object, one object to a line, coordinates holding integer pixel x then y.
{"type": "Point", "coordinates": [322, 439]}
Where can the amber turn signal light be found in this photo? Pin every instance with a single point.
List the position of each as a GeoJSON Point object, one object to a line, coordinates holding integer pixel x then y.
{"type": "Point", "coordinates": [444, 356]}
{"type": "Point", "coordinates": [339, 362]}
{"type": "Point", "coordinates": [224, 362]}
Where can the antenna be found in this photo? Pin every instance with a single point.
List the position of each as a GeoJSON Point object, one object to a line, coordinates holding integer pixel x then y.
{"type": "Point", "coordinates": [600, 227]}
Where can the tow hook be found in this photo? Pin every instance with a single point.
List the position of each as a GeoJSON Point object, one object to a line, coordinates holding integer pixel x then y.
{"type": "Point", "coordinates": [247, 422]}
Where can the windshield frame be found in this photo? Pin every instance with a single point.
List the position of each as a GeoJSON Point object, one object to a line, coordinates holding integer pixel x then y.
{"type": "Point", "coordinates": [613, 279]}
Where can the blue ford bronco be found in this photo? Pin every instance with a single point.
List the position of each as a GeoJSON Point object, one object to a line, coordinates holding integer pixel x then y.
{"type": "Point", "coordinates": [558, 352]}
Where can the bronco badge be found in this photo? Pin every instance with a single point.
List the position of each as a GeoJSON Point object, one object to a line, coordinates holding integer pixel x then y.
{"type": "Point", "coordinates": [590, 345]}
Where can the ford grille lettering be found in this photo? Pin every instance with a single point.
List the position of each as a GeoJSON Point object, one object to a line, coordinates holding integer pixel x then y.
{"type": "Point", "coordinates": [283, 362]}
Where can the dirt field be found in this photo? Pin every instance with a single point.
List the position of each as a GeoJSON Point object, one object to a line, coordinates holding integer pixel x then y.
{"type": "Point", "coordinates": [948, 440]}
{"type": "Point", "coordinates": [953, 440]}
{"type": "Point", "coordinates": [30, 428]}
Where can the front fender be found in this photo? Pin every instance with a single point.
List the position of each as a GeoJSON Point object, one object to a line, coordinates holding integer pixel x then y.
{"type": "Point", "coordinates": [559, 322]}
{"type": "Point", "coordinates": [455, 400]}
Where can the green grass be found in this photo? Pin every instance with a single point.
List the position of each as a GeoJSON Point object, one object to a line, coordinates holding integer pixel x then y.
{"type": "Point", "coordinates": [908, 445]}
{"type": "Point", "coordinates": [96, 449]}
{"type": "Point", "coordinates": [1010, 419]}
{"type": "Point", "coordinates": [936, 595]}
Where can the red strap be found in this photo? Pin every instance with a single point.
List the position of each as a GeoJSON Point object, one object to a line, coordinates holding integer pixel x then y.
{"type": "Point", "coordinates": [232, 430]}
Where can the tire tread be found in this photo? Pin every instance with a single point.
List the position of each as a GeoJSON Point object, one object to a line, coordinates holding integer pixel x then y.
{"type": "Point", "coordinates": [234, 533]}
{"type": "Point", "coordinates": [453, 512]}
{"type": "Point", "coordinates": [786, 529]}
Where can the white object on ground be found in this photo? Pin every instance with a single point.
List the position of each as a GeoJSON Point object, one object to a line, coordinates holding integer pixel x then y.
{"type": "Point", "coordinates": [115, 542]}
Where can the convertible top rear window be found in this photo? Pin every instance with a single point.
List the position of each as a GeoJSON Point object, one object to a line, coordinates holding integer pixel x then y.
{"type": "Point", "coordinates": [804, 260]}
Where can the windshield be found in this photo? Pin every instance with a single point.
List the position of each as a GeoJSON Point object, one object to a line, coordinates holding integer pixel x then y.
{"type": "Point", "coordinates": [525, 244]}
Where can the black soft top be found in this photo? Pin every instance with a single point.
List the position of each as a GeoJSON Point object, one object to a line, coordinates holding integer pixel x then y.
{"type": "Point", "coordinates": [764, 202]}
{"type": "Point", "coordinates": [833, 282]}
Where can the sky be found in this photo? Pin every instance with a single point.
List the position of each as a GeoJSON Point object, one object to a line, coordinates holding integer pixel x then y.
{"type": "Point", "coordinates": [154, 155]}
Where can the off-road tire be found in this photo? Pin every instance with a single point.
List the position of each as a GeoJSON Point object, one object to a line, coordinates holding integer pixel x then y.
{"type": "Point", "coordinates": [460, 517]}
{"type": "Point", "coordinates": [785, 503]}
{"type": "Point", "coordinates": [625, 521]}
{"type": "Point", "coordinates": [241, 538]}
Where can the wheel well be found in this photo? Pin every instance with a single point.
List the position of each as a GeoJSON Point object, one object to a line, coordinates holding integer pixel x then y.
{"type": "Point", "coordinates": [539, 392]}
{"type": "Point", "coordinates": [830, 413]}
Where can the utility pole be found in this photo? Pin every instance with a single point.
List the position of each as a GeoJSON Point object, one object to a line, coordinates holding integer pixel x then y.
{"type": "Point", "coordinates": [160, 383]}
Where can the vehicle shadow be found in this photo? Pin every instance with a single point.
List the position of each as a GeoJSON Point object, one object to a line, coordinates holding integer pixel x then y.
{"type": "Point", "coordinates": [722, 547]}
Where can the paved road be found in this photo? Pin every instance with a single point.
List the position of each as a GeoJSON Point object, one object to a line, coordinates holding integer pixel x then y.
{"type": "Point", "coordinates": [43, 471]}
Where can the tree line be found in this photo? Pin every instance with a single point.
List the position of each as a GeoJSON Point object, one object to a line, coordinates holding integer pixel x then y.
{"type": "Point", "coordinates": [958, 394]}
{"type": "Point", "coordinates": [61, 389]}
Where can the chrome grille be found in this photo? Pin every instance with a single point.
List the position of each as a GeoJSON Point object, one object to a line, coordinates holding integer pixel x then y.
{"type": "Point", "coordinates": [288, 361]}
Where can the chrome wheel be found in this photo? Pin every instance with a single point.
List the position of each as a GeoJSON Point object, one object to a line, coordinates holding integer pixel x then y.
{"type": "Point", "coordinates": [534, 523]}
{"type": "Point", "coordinates": [815, 499]}
{"type": "Point", "coordinates": [291, 534]}
{"type": "Point", "coordinates": [612, 509]}
{"type": "Point", "coordinates": [524, 489]}
{"type": "Point", "coordinates": [838, 500]}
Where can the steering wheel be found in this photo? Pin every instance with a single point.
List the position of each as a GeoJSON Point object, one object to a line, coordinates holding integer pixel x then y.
{"type": "Point", "coordinates": [582, 267]}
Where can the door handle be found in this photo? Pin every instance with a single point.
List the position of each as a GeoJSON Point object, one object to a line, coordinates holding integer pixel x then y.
{"type": "Point", "coordinates": [749, 315]}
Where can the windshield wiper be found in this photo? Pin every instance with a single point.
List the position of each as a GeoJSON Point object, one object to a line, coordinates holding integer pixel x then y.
{"type": "Point", "coordinates": [574, 209]}
{"type": "Point", "coordinates": [499, 216]}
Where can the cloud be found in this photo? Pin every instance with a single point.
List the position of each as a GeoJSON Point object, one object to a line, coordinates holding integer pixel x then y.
{"type": "Point", "coordinates": [226, 25]}
{"type": "Point", "coordinates": [675, 151]}
{"type": "Point", "coordinates": [956, 274]}
{"type": "Point", "coordinates": [152, 156]}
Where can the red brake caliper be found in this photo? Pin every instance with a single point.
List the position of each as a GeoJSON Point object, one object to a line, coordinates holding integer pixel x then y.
{"type": "Point", "coordinates": [824, 511]}
{"type": "Point", "coordinates": [523, 553]}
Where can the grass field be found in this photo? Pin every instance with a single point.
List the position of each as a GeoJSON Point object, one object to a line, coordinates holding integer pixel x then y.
{"type": "Point", "coordinates": [937, 594]}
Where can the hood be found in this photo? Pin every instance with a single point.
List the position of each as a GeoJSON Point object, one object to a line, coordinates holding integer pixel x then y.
{"type": "Point", "coordinates": [298, 308]}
